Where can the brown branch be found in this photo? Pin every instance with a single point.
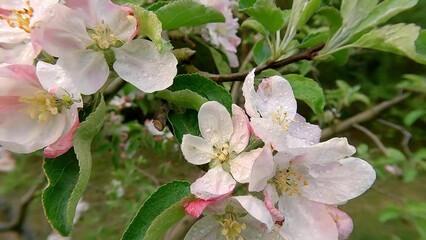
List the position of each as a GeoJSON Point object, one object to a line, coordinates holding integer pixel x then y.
{"type": "Point", "coordinates": [373, 137]}
{"type": "Point", "coordinates": [19, 218]}
{"type": "Point", "coordinates": [307, 54]}
{"type": "Point", "coordinates": [405, 133]}
{"type": "Point", "coordinates": [363, 116]}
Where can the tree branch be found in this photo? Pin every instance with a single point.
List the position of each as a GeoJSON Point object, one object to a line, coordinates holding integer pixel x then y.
{"type": "Point", "coordinates": [363, 116]}
{"type": "Point", "coordinates": [405, 140]}
{"type": "Point", "coordinates": [373, 137]}
{"type": "Point", "coordinates": [307, 54]}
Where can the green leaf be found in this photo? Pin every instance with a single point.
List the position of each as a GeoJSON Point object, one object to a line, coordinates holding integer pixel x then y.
{"type": "Point", "coordinates": [122, 2]}
{"type": "Point", "coordinates": [267, 14]}
{"type": "Point", "coordinates": [309, 9]}
{"type": "Point", "coordinates": [243, 4]}
{"type": "Point", "coordinates": [204, 87]}
{"type": "Point", "coordinates": [261, 52]}
{"type": "Point", "coordinates": [313, 40]}
{"type": "Point", "coordinates": [391, 212]}
{"type": "Point", "coordinates": [221, 64]}
{"type": "Point", "coordinates": [69, 174]}
{"type": "Point", "coordinates": [183, 98]}
{"type": "Point", "coordinates": [413, 116]}
{"type": "Point", "coordinates": [420, 43]}
{"type": "Point", "coordinates": [159, 212]}
{"type": "Point", "coordinates": [383, 12]}
{"type": "Point", "coordinates": [333, 18]}
{"type": "Point", "coordinates": [150, 25]}
{"type": "Point", "coordinates": [354, 11]}
{"type": "Point", "coordinates": [187, 13]}
{"type": "Point", "coordinates": [255, 25]}
{"type": "Point", "coordinates": [184, 123]}
{"type": "Point", "coordinates": [307, 90]}
{"type": "Point", "coordinates": [399, 39]}
{"type": "Point", "coordinates": [412, 82]}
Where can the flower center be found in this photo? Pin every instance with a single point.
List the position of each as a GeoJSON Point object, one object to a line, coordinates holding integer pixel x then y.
{"type": "Point", "coordinates": [231, 228]}
{"type": "Point", "coordinates": [222, 153]}
{"type": "Point", "coordinates": [20, 18]}
{"type": "Point", "coordinates": [280, 117]}
{"type": "Point", "coordinates": [289, 181]}
{"type": "Point", "coordinates": [103, 36]}
{"type": "Point", "coordinates": [43, 105]}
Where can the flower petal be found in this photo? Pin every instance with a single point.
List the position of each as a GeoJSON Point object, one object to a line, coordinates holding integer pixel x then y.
{"type": "Point", "coordinates": [301, 133]}
{"type": "Point", "coordinates": [196, 208]}
{"type": "Point", "coordinates": [139, 63]}
{"type": "Point", "coordinates": [216, 182]}
{"type": "Point", "coordinates": [88, 69]}
{"type": "Point", "coordinates": [271, 132]}
{"type": "Point", "coordinates": [18, 80]}
{"type": "Point", "coordinates": [241, 166]}
{"type": "Point", "coordinates": [250, 95]}
{"type": "Point", "coordinates": [63, 144]}
{"type": "Point", "coordinates": [205, 229]}
{"type": "Point", "coordinates": [337, 184]}
{"type": "Point", "coordinates": [343, 222]}
{"type": "Point", "coordinates": [215, 123]}
{"type": "Point", "coordinates": [306, 219]}
{"type": "Point", "coordinates": [256, 208]}
{"type": "Point", "coordinates": [263, 170]}
{"type": "Point", "coordinates": [196, 150]}
{"type": "Point", "coordinates": [241, 134]}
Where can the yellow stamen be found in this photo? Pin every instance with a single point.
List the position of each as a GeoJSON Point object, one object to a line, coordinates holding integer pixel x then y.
{"type": "Point", "coordinates": [289, 181]}
{"type": "Point", "coordinates": [20, 18]}
{"type": "Point", "coordinates": [231, 228]}
{"type": "Point", "coordinates": [103, 37]}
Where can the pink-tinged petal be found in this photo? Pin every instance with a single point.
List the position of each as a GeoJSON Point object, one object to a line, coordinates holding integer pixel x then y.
{"type": "Point", "coordinates": [18, 80]}
{"type": "Point", "coordinates": [31, 134]}
{"type": "Point", "coordinates": [263, 170]}
{"type": "Point", "coordinates": [196, 150]}
{"type": "Point", "coordinates": [88, 70]}
{"type": "Point", "coordinates": [54, 78]}
{"type": "Point", "coordinates": [275, 96]}
{"type": "Point", "coordinates": [20, 53]}
{"type": "Point", "coordinates": [241, 134]}
{"type": "Point", "coordinates": [269, 131]}
{"type": "Point", "coordinates": [63, 144]}
{"type": "Point", "coordinates": [242, 165]}
{"type": "Point", "coordinates": [216, 182]}
{"type": "Point", "coordinates": [257, 209]}
{"type": "Point", "coordinates": [324, 153]}
{"type": "Point", "coordinates": [139, 63]}
{"type": "Point", "coordinates": [348, 179]}
{"type": "Point", "coordinates": [250, 95]}
{"type": "Point", "coordinates": [270, 205]}
{"type": "Point", "coordinates": [64, 33]}
{"type": "Point", "coordinates": [232, 59]}
{"type": "Point", "coordinates": [10, 35]}
{"type": "Point", "coordinates": [196, 208]}
{"type": "Point", "coordinates": [215, 123]}
{"type": "Point", "coordinates": [306, 219]}
{"type": "Point", "coordinates": [301, 133]}
{"type": "Point", "coordinates": [343, 222]}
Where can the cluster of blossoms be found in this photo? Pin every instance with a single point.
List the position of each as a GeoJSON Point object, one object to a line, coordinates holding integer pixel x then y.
{"type": "Point", "coordinates": [302, 180]}
{"type": "Point", "coordinates": [82, 42]}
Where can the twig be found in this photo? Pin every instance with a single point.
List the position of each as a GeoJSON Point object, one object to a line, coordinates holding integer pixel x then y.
{"type": "Point", "coordinates": [19, 218]}
{"type": "Point", "coordinates": [160, 116]}
{"type": "Point", "coordinates": [148, 175]}
{"type": "Point", "coordinates": [363, 116]}
{"type": "Point", "coordinates": [405, 140]}
{"type": "Point", "coordinates": [307, 54]}
{"type": "Point", "coordinates": [373, 137]}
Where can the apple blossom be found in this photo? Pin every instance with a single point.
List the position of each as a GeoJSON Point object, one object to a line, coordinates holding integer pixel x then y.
{"type": "Point", "coordinates": [234, 218]}
{"type": "Point", "coordinates": [223, 35]}
{"type": "Point", "coordinates": [307, 179]}
{"type": "Point", "coordinates": [88, 36]}
{"type": "Point", "coordinates": [38, 108]}
{"type": "Point", "coordinates": [221, 145]}
{"type": "Point", "coordinates": [272, 109]}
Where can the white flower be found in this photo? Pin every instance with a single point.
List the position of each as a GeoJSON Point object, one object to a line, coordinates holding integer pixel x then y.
{"type": "Point", "coordinates": [272, 109]}
{"type": "Point", "coordinates": [221, 145]}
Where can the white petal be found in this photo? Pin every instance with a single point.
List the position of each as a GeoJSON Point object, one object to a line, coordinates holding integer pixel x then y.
{"type": "Point", "coordinates": [88, 69]}
{"type": "Point", "coordinates": [139, 63]}
{"type": "Point", "coordinates": [306, 219]}
{"type": "Point", "coordinates": [339, 183]}
{"type": "Point", "coordinates": [250, 95]}
{"type": "Point", "coordinates": [241, 166]}
{"type": "Point", "coordinates": [257, 209]}
{"type": "Point", "coordinates": [263, 170]}
{"type": "Point", "coordinates": [196, 149]}
{"type": "Point", "coordinates": [63, 34]}
{"type": "Point", "coordinates": [18, 80]}
{"type": "Point", "coordinates": [343, 222]}
{"type": "Point", "coordinates": [53, 77]}
{"type": "Point", "coordinates": [215, 123]}
{"type": "Point", "coordinates": [19, 53]}
{"type": "Point", "coordinates": [271, 132]}
{"type": "Point", "coordinates": [301, 133]}
{"type": "Point", "coordinates": [275, 95]}
{"type": "Point", "coordinates": [241, 134]}
{"type": "Point", "coordinates": [216, 182]}
{"type": "Point", "coordinates": [207, 228]}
